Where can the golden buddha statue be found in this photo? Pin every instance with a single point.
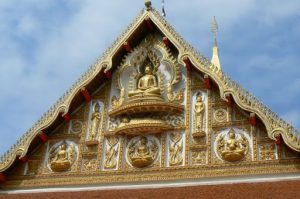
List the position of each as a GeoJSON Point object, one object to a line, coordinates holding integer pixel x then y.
{"type": "Point", "coordinates": [199, 113]}
{"type": "Point", "coordinates": [96, 117]}
{"type": "Point", "coordinates": [61, 161]}
{"type": "Point", "coordinates": [141, 156]}
{"type": "Point", "coordinates": [147, 85]}
{"type": "Point", "coordinates": [233, 149]}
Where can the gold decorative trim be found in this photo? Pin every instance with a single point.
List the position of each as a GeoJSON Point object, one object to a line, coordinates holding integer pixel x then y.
{"type": "Point", "coordinates": [150, 107]}
{"type": "Point", "coordinates": [144, 126]}
{"type": "Point", "coordinates": [166, 174]}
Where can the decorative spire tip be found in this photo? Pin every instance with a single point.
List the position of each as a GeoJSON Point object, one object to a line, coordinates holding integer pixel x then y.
{"type": "Point", "coordinates": [215, 57]}
{"type": "Point", "coordinates": [163, 8]}
{"type": "Point", "coordinates": [215, 29]}
{"type": "Point", "coordinates": [148, 4]}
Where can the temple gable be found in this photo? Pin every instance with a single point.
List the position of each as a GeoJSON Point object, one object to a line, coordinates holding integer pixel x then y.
{"type": "Point", "coordinates": [152, 112]}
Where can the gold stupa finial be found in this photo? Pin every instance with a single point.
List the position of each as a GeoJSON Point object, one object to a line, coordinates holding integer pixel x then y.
{"type": "Point", "coordinates": [148, 4]}
{"type": "Point", "coordinates": [215, 57]}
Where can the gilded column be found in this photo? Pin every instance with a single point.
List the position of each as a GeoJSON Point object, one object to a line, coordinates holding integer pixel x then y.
{"type": "Point", "coordinates": [188, 117]}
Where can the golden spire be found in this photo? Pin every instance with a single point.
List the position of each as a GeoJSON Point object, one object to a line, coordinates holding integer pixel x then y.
{"type": "Point", "coordinates": [215, 57]}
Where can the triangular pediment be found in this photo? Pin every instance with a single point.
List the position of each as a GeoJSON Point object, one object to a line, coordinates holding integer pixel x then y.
{"type": "Point", "coordinates": [151, 103]}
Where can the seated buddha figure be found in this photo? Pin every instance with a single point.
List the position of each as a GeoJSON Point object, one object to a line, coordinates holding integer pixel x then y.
{"type": "Point", "coordinates": [233, 150]}
{"type": "Point", "coordinates": [142, 156]}
{"type": "Point", "coordinates": [147, 85]}
{"type": "Point", "coordinates": [61, 160]}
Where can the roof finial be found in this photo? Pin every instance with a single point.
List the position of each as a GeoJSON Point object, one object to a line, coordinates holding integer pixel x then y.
{"type": "Point", "coordinates": [215, 57]}
{"type": "Point", "coordinates": [163, 8]}
{"type": "Point", "coordinates": [215, 29]}
{"type": "Point", "coordinates": [148, 4]}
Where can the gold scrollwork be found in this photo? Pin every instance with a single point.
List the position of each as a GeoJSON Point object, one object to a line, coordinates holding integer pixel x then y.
{"type": "Point", "coordinates": [90, 164]}
{"type": "Point", "coordinates": [118, 101]}
{"type": "Point", "coordinates": [177, 96]}
{"type": "Point", "coordinates": [267, 152]}
{"type": "Point", "coordinates": [220, 115]}
{"type": "Point", "coordinates": [199, 157]}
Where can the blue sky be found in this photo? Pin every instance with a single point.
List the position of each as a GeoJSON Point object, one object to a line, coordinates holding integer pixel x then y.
{"type": "Point", "coordinates": [46, 45]}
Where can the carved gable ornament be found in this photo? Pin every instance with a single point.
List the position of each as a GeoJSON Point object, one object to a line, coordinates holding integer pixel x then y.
{"type": "Point", "coordinates": [154, 111]}
{"type": "Point", "coordinates": [143, 97]}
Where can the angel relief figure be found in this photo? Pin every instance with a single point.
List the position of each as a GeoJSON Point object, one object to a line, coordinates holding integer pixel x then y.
{"type": "Point", "coordinates": [199, 113]}
{"type": "Point", "coordinates": [95, 119]}
{"type": "Point", "coordinates": [111, 153]}
{"type": "Point", "coordinates": [176, 150]}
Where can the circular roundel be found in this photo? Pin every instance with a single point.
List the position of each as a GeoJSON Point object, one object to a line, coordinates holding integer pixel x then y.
{"type": "Point", "coordinates": [220, 115]}
{"type": "Point", "coordinates": [143, 151]}
{"type": "Point", "coordinates": [62, 155]}
{"type": "Point", "coordinates": [76, 126]}
{"type": "Point", "coordinates": [232, 145]}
